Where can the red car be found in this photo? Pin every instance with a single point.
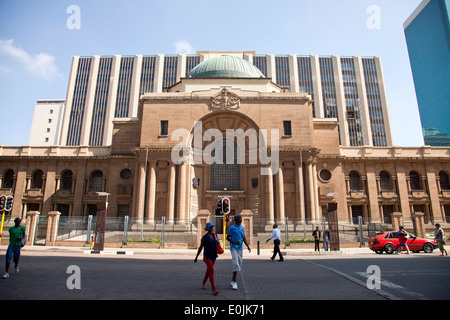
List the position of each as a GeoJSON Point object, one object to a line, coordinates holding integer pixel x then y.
{"type": "Point", "coordinates": [387, 241]}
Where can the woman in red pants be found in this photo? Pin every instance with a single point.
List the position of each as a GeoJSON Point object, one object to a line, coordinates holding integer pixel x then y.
{"type": "Point", "coordinates": [208, 242]}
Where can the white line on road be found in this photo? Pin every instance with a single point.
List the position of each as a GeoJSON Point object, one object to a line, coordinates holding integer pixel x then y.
{"type": "Point", "coordinates": [396, 287]}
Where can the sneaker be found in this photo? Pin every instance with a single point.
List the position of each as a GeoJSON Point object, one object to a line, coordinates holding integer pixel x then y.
{"type": "Point", "coordinates": [16, 269]}
{"type": "Point", "coordinates": [234, 285]}
{"type": "Point", "coordinates": [5, 276]}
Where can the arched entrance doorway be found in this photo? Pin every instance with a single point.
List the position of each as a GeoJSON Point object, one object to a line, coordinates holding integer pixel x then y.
{"type": "Point", "coordinates": [227, 143]}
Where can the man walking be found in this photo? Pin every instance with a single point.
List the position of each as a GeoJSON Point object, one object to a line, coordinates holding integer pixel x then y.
{"type": "Point", "coordinates": [236, 236]}
{"type": "Point", "coordinates": [16, 234]}
{"type": "Point", "coordinates": [276, 236]}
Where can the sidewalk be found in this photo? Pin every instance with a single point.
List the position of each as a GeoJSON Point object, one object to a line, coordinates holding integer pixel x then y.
{"type": "Point", "coordinates": [185, 253]}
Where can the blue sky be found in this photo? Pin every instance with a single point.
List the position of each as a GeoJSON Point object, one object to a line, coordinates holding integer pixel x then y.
{"type": "Point", "coordinates": [36, 44]}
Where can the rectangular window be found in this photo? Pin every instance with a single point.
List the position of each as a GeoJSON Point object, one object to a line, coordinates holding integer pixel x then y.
{"type": "Point", "coordinates": [123, 210]}
{"type": "Point", "coordinates": [164, 128]}
{"type": "Point", "coordinates": [287, 128]}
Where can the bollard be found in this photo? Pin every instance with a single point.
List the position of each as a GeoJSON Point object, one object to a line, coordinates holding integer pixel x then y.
{"type": "Point", "coordinates": [257, 248]}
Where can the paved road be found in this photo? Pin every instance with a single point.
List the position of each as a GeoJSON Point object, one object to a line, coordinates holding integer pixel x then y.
{"type": "Point", "coordinates": [131, 278]}
{"type": "Point", "coordinates": [415, 277]}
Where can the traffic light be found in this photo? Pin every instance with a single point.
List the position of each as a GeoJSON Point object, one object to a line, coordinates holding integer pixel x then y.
{"type": "Point", "coordinates": [219, 207]}
{"type": "Point", "coordinates": [225, 205]}
{"type": "Point", "coordinates": [2, 203]}
{"type": "Point", "coordinates": [227, 218]}
{"type": "Point", "coordinates": [9, 203]}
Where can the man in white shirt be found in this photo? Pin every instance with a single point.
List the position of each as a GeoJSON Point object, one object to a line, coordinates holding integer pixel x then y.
{"type": "Point", "coordinates": [276, 236]}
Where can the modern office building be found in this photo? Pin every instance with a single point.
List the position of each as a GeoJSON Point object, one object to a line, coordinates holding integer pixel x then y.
{"type": "Point", "coordinates": [47, 121]}
{"type": "Point", "coordinates": [427, 33]}
{"type": "Point", "coordinates": [107, 88]}
{"type": "Point", "coordinates": [168, 136]}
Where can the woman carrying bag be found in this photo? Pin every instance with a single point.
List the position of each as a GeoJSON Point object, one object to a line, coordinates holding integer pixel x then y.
{"type": "Point", "coordinates": [211, 244]}
{"type": "Point", "coordinates": [439, 237]}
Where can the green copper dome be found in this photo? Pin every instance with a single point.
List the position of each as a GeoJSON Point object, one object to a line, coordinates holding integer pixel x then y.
{"type": "Point", "coordinates": [225, 67]}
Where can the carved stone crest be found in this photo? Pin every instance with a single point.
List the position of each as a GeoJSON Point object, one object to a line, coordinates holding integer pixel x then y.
{"type": "Point", "coordinates": [225, 100]}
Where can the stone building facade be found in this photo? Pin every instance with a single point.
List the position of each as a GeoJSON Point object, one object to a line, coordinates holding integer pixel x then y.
{"type": "Point", "coordinates": [229, 131]}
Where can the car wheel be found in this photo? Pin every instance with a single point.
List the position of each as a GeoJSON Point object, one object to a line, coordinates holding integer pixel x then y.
{"type": "Point", "coordinates": [389, 248]}
{"type": "Point", "coordinates": [428, 248]}
{"type": "Point", "coordinates": [379, 251]}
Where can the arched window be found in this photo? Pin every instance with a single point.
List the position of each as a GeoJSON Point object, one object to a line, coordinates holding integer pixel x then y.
{"type": "Point", "coordinates": [414, 180]}
{"type": "Point", "coordinates": [38, 179]}
{"type": "Point", "coordinates": [355, 181]}
{"type": "Point", "coordinates": [225, 169]}
{"type": "Point", "coordinates": [8, 179]}
{"type": "Point", "coordinates": [443, 180]}
{"type": "Point", "coordinates": [385, 181]}
{"type": "Point", "coordinates": [96, 183]}
{"type": "Point", "coordinates": [66, 180]}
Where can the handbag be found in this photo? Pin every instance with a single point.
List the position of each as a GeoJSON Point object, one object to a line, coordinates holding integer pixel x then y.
{"type": "Point", "coordinates": [218, 246]}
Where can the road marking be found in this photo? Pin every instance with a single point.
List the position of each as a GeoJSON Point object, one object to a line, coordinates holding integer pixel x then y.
{"type": "Point", "coordinates": [396, 287]}
{"type": "Point", "coordinates": [380, 292]}
{"type": "Point", "coordinates": [108, 252]}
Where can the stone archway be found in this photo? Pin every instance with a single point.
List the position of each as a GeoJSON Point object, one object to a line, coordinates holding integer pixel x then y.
{"type": "Point", "coordinates": [244, 133]}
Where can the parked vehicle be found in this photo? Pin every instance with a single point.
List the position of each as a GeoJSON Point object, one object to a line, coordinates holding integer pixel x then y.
{"type": "Point", "coordinates": [388, 242]}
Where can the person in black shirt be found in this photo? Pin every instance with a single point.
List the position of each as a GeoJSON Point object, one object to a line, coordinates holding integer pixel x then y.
{"type": "Point", "coordinates": [316, 235]}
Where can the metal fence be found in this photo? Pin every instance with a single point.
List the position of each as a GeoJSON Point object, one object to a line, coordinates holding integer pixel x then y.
{"type": "Point", "coordinates": [126, 230]}
{"type": "Point", "coordinates": [301, 231]}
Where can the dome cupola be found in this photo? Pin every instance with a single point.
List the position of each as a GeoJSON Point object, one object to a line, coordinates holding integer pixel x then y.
{"type": "Point", "coordinates": [225, 67]}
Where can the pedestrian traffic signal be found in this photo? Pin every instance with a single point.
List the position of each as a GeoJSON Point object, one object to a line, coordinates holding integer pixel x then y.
{"type": "Point", "coordinates": [225, 205]}
{"type": "Point", "coordinates": [9, 203]}
{"type": "Point", "coordinates": [2, 203]}
{"type": "Point", "coordinates": [227, 218]}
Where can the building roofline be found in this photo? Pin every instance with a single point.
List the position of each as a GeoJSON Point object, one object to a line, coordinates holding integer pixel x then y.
{"type": "Point", "coordinates": [415, 13]}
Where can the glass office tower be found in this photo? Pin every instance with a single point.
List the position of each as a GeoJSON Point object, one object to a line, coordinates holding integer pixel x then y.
{"type": "Point", "coordinates": [427, 33]}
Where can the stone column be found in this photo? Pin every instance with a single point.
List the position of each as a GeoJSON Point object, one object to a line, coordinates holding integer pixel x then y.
{"type": "Point", "coordinates": [433, 193]}
{"type": "Point", "coordinates": [182, 194]}
{"type": "Point", "coordinates": [52, 227]}
{"type": "Point", "coordinates": [372, 193]}
{"type": "Point", "coordinates": [247, 223]}
{"type": "Point", "coordinates": [311, 202]}
{"type": "Point", "coordinates": [30, 228]}
{"type": "Point", "coordinates": [280, 195]}
{"type": "Point", "coordinates": [151, 203]}
{"type": "Point", "coordinates": [396, 218]}
{"type": "Point", "coordinates": [203, 217]}
{"type": "Point", "coordinates": [317, 208]}
{"type": "Point", "coordinates": [141, 192]}
{"type": "Point", "coordinates": [270, 209]}
{"type": "Point", "coordinates": [171, 194]}
{"type": "Point", "coordinates": [299, 191]}
{"type": "Point", "coordinates": [419, 224]}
